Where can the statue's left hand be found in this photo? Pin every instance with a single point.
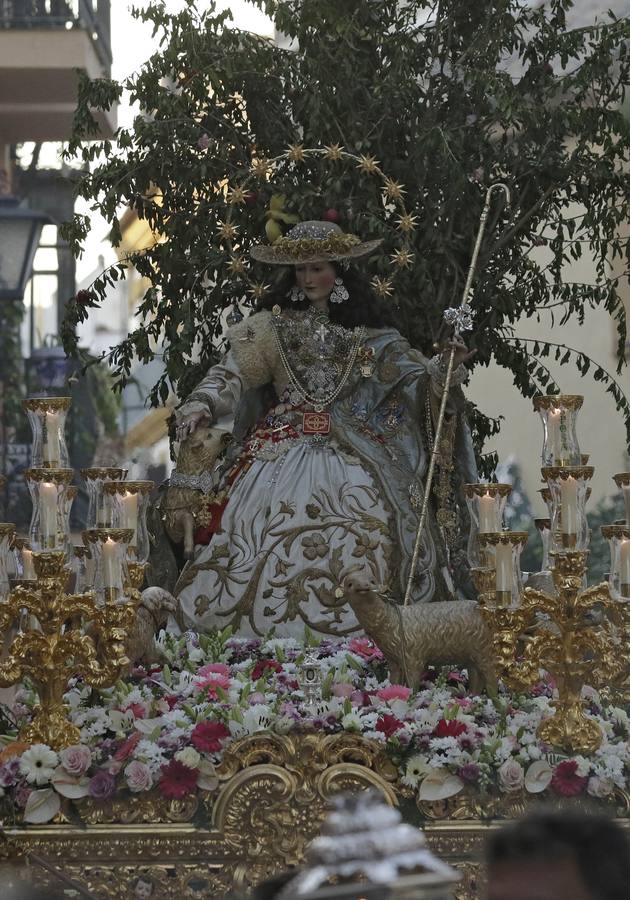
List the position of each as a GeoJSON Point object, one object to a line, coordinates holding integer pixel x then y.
{"type": "Point", "coordinates": [462, 353]}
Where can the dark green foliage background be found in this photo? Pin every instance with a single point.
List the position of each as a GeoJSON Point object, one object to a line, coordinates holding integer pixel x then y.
{"type": "Point", "coordinates": [449, 96]}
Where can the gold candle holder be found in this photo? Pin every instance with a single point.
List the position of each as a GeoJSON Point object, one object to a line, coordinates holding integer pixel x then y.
{"type": "Point", "coordinates": [63, 635]}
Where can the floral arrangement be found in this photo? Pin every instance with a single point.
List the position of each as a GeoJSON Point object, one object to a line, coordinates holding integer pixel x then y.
{"type": "Point", "coordinates": [166, 728]}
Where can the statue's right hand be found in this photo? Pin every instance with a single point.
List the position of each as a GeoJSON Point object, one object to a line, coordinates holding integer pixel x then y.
{"type": "Point", "coordinates": [189, 423]}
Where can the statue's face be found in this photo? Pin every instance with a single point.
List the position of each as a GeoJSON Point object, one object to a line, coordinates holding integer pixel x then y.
{"type": "Point", "coordinates": [143, 889]}
{"type": "Point", "coordinates": [316, 280]}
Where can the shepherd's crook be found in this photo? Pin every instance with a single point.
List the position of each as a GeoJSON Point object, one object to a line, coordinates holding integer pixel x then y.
{"type": "Point", "coordinates": [461, 318]}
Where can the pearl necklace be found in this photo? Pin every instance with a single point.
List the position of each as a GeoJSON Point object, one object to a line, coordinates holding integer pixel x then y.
{"type": "Point", "coordinates": [319, 403]}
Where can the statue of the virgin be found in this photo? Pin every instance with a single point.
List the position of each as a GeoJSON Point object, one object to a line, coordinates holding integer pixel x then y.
{"type": "Point", "coordinates": [332, 416]}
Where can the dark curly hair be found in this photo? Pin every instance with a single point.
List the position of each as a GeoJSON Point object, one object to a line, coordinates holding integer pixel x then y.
{"type": "Point", "coordinates": [363, 307]}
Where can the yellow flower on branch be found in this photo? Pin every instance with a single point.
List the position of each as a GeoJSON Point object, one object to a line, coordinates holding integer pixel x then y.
{"type": "Point", "coordinates": [407, 223]}
{"type": "Point", "coordinates": [402, 258]}
{"type": "Point", "coordinates": [393, 189]}
{"type": "Point", "coordinates": [295, 153]}
{"type": "Point", "coordinates": [368, 164]}
{"type": "Point", "coordinates": [333, 152]}
{"type": "Point", "coordinates": [382, 287]}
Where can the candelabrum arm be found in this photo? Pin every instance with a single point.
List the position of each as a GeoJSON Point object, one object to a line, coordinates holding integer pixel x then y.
{"type": "Point", "coordinates": [27, 655]}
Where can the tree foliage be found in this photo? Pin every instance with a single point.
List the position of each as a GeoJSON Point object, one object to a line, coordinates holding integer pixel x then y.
{"type": "Point", "coordinates": [449, 97]}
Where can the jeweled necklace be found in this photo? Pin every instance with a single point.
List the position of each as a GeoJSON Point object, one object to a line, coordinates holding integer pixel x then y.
{"type": "Point", "coordinates": [318, 421]}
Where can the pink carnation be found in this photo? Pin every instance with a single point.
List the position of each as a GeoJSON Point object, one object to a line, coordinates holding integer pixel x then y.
{"type": "Point", "coordinates": [213, 669]}
{"type": "Point", "coordinates": [76, 760]}
{"type": "Point", "coordinates": [394, 692]}
{"type": "Point", "coordinates": [212, 683]}
{"type": "Point", "coordinates": [365, 648]}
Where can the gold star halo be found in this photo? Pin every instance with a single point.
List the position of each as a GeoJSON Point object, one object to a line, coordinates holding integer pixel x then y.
{"type": "Point", "coordinates": [407, 223]}
{"type": "Point", "coordinates": [402, 258]}
{"type": "Point", "coordinates": [368, 164]}
{"type": "Point", "coordinates": [226, 231]}
{"type": "Point", "coordinates": [393, 189]}
{"type": "Point", "coordinates": [383, 287]}
{"type": "Point", "coordinates": [261, 167]}
{"type": "Point", "coordinates": [236, 265]}
{"type": "Point", "coordinates": [258, 290]}
{"type": "Point", "coordinates": [237, 195]}
{"type": "Point", "coordinates": [333, 152]}
{"type": "Point", "coordinates": [295, 153]}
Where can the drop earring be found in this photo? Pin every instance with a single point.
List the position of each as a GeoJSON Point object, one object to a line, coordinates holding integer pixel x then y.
{"type": "Point", "coordinates": [296, 294]}
{"type": "Point", "coordinates": [339, 292]}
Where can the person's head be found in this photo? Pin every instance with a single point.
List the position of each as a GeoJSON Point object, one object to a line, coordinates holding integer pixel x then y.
{"type": "Point", "coordinates": [553, 855]}
{"type": "Point", "coordinates": [319, 268]}
{"type": "Point", "coordinates": [143, 887]}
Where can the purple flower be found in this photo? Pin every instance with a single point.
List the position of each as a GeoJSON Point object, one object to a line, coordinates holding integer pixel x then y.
{"type": "Point", "coordinates": [10, 772]}
{"type": "Point", "coordinates": [22, 793]}
{"type": "Point", "coordinates": [102, 785]}
{"type": "Point", "coordinates": [469, 772]}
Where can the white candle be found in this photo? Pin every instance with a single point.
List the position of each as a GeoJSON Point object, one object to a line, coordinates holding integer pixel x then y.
{"type": "Point", "coordinates": [48, 514]}
{"type": "Point", "coordinates": [110, 564]}
{"type": "Point", "coordinates": [27, 565]}
{"type": "Point", "coordinates": [568, 505]}
{"type": "Point", "coordinates": [487, 514]}
{"type": "Point", "coordinates": [553, 434]}
{"type": "Point", "coordinates": [626, 498]}
{"type": "Point", "coordinates": [129, 514]}
{"type": "Point", "coordinates": [504, 573]}
{"type": "Point", "coordinates": [50, 448]}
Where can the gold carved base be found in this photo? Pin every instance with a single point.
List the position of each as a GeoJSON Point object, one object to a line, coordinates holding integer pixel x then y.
{"type": "Point", "coordinates": [271, 799]}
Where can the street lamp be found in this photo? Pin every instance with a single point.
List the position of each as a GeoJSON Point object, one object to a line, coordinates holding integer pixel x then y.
{"type": "Point", "coordinates": [20, 231]}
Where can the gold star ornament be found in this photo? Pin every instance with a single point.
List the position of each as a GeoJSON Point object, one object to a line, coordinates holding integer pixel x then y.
{"type": "Point", "coordinates": [382, 287]}
{"type": "Point", "coordinates": [333, 152]}
{"type": "Point", "coordinates": [261, 167]}
{"type": "Point", "coordinates": [402, 258]}
{"type": "Point", "coordinates": [295, 153]}
{"type": "Point", "coordinates": [393, 189]}
{"type": "Point", "coordinates": [236, 265]}
{"type": "Point", "coordinates": [368, 164]}
{"type": "Point", "coordinates": [258, 290]}
{"type": "Point", "coordinates": [226, 231]}
{"type": "Point", "coordinates": [237, 195]}
{"type": "Point", "coordinates": [407, 223]}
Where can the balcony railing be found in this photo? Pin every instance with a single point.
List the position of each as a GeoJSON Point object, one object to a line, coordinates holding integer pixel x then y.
{"type": "Point", "coordinates": [93, 16]}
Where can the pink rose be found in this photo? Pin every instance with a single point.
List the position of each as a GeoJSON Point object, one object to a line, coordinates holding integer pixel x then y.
{"type": "Point", "coordinates": [138, 777]}
{"type": "Point", "coordinates": [76, 760]}
{"type": "Point", "coordinates": [394, 692]}
{"type": "Point", "coordinates": [511, 776]}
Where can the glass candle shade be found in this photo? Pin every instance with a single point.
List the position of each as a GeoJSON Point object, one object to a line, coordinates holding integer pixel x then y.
{"type": "Point", "coordinates": [83, 567]}
{"type": "Point", "coordinates": [108, 550]}
{"type": "Point", "coordinates": [48, 489]}
{"type": "Point", "coordinates": [7, 534]}
{"type": "Point", "coordinates": [98, 514]}
{"type": "Point", "coordinates": [569, 493]}
{"type": "Point", "coordinates": [23, 567]}
{"type": "Point", "coordinates": [486, 503]}
{"type": "Point", "coordinates": [622, 480]}
{"type": "Point", "coordinates": [560, 443]}
{"type": "Point", "coordinates": [503, 550]}
{"type": "Point", "coordinates": [543, 527]}
{"type": "Point", "coordinates": [47, 418]}
{"type": "Point", "coordinates": [128, 501]}
{"type": "Point", "coordinates": [618, 537]}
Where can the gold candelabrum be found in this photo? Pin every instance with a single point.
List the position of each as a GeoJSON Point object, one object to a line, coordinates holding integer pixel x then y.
{"type": "Point", "coordinates": [65, 613]}
{"type": "Point", "coordinates": [557, 624]}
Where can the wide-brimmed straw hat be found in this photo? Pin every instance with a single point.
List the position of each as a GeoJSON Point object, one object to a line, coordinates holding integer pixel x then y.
{"type": "Point", "coordinates": [311, 242]}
